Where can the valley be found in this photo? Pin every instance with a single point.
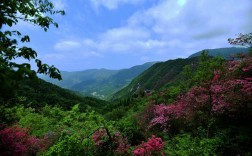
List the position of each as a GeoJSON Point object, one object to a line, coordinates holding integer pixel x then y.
{"type": "Point", "coordinates": [174, 92]}
{"type": "Point", "coordinates": [99, 83]}
{"type": "Point", "coordinates": [170, 97]}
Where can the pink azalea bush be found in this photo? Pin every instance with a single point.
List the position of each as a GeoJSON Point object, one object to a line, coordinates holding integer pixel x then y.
{"type": "Point", "coordinates": [103, 138]}
{"type": "Point", "coordinates": [154, 146]}
{"type": "Point", "coordinates": [17, 141]}
{"type": "Point", "coordinates": [227, 93]}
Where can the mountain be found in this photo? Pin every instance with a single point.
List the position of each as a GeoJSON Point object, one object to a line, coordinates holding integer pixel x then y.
{"type": "Point", "coordinates": [224, 52]}
{"type": "Point", "coordinates": [158, 75]}
{"type": "Point", "coordinates": [38, 93]}
{"type": "Point", "coordinates": [72, 78]}
{"type": "Point", "coordinates": [100, 83]}
{"type": "Point", "coordinates": [166, 73]}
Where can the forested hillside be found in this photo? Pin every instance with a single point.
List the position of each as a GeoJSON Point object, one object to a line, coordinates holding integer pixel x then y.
{"type": "Point", "coordinates": [99, 83]}
{"type": "Point", "coordinates": [156, 77]}
{"type": "Point", "coordinates": [209, 111]}
{"type": "Point", "coordinates": [39, 93]}
{"type": "Point", "coordinates": [226, 53]}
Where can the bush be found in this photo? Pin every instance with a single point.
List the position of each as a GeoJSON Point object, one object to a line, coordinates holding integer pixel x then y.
{"type": "Point", "coordinates": [17, 141]}
{"type": "Point", "coordinates": [187, 145]}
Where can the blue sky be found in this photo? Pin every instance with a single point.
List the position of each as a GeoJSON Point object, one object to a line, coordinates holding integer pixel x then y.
{"type": "Point", "coordinates": [116, 34]}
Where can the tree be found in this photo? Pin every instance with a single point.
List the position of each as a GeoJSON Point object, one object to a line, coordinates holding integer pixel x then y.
{"type": "Point", "coordinates": [242, 39]}
{"type": "Point", "coordinates": [36, 12]}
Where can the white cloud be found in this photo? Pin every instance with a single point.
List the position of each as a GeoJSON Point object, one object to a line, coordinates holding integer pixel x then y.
{"type": "Point", "coordinates": [167, 30]}
{"type": "Point", "coordinates": [181, 2]}
{"type": "Point", "coordinates": [59, 4]}
{"type": "Point", "coordinates": [123, 39]}
{"type": "Point", "coordinates": [77, 49]}
{"type": "Point", "coordinates": [53, 56]}
{"type": "Point", "coordinates": [113, 4]}
{"type": "Point", "coordinates": [125, 33]}
{"type": "Point", "coordinates": [193, 24]}
{"type": "Point", "coordinates": [67, 45]}
{"type": "Point", "coordinates": [170, 27]}
{"type": "Point", "coordinates": [89, 43]}
{"type": "Point", "coordinates": [93, 53]}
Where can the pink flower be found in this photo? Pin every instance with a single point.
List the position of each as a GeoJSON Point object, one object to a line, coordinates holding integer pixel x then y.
{"type": "Point", "coordinates": [154, 145]}
{"type": "Point", "coordinates": [216, 77]}
{"type": "Point", "coordinates": [139, 152]}
{"type": "Point", "coordinates": [17, 141]}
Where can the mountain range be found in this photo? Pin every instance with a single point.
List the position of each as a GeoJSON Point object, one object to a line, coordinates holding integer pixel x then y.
{"type": "Point", "coordinates": [157, 76]}
{"type": "Point", "coordinates": [99, 83]}
{"type": "Point", "coordinates": [154, 93]}
{"type": "Point", "coordinates": [112, 84]}
{"type": "Point", "coordinates": [166, 73]}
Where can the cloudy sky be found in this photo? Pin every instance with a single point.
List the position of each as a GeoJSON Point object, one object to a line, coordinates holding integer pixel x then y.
{"type": "Point", "coordinates": [117, 34]}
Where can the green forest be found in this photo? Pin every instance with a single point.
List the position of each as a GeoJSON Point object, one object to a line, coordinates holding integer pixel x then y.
{"type": "Point", "coordinates": [200, 105]}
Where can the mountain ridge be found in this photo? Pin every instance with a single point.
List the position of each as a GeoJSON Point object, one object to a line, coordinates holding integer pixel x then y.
{"type": "Point", "coordinates": [162, 73]}
{"type": "Point", "coordinates": [226, 52]}
{"type": "Point", "coordinates": [99, 83]}
{"type": "Point", "coordinates": [167, 72]}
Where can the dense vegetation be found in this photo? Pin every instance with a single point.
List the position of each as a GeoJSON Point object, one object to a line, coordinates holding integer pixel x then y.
{"type": "Point", "coordinates": [197, 106]}
{"type": "Point", "coordinates": [207, 113]}
{"type": "Point", "coordinates": [157, 76]}
{"type": "Point", "coordinates": [38, 93]}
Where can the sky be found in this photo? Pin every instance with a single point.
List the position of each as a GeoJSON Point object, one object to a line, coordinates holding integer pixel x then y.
{"type": "Point", "coordinates": [117, 34]}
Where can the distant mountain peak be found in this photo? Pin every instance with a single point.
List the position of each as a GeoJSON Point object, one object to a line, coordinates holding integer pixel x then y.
{"type": "Point", "coordinates": [224, 52]}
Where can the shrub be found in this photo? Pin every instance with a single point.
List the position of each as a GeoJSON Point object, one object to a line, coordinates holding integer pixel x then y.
{"type": "Point", "coordinates": [17, 141]}
{"type": "Point", "coordinates": [154, 146]}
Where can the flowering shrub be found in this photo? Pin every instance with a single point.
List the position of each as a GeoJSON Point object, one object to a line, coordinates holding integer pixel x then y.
{"type": "Point", "coordinates": [228, 92]}
{"type": "Point", "coordinates": [185, 108]}
{"type": "Point", "coordinates": [242, 39]}
{"type": "Point", "coordinates": [111, 142]}
{"type": "Point", "coordinates": [100, 137]}
{"type": "Point", "coordinates": [154, 146]}
{"type": "Point", "coordinates": [17, 141]}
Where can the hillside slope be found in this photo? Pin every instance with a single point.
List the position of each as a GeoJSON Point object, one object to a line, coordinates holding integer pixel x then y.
{"type": "Point", "coordinates": [38, 93]}
{"type": "Point", "coordinates": [160, 74]}
{"type": "Point", "coordinates": [72, 78]}
{"type": "Point", "coordinates": [223, 52]}
{"type": "Point", "coordinates": [99, 83]}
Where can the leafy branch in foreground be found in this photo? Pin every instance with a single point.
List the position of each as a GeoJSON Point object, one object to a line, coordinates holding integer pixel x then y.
{"type": "Point", "coordinates": [35, 12]}
{"type": "Point", "coordinates": [242, 39]}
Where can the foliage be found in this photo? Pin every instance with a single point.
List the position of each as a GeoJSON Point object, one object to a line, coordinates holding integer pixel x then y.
{"type": "Point", "coordinates": [225, 93]}
{"type": "Point", "coordinates": [17, 141]}
{"type": "Point", "coordinates": [226, 96]}
{"type": "Point", "coordinates": [114, 143]}
{"type": "Point", "coordinates": [185, 144]}
{"type": "Point", "coordinates": [66, 132]}
{"type": "Point", "coordinates": [129, 126]}
{"type": "Point", "coordinates": [242, 39]}
{"type": "Point", "coordinates": [68, 144]}
{"type": "Point", "coordinates": [158, 75]}
{"type": "Point", "coordinates": [154, 146]}
{"type": "Point", "coordinates": [12, 12]}
{"type": "Point", "coordinates": [204, 71]}
{"type": "Point", "coordinates": [39, 93]}
{"type": "Point", "coordinates": [205, 111]}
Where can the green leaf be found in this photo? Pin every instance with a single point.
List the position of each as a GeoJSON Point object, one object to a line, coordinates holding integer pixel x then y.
{"type": "Point", "coordinates": [25, 39]}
